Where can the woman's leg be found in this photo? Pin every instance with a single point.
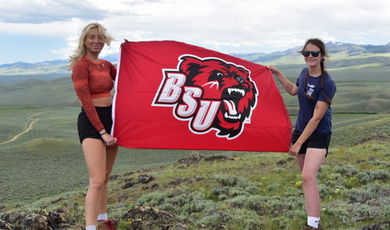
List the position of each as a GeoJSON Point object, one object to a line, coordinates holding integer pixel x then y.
{"type": "Point", "coordinates": [110, 159]}
{"type": "Point", "coordinates": [313, 160]}
{"type": "Point", "coordinates": [95, 157]}
{"type": "Point", "coordinates": [301, 161]}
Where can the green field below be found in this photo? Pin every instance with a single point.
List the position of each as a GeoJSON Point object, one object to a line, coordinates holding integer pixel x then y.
{"type": "Point", "coordinates": [50, 151]}
{"type": "Point", "coordinates": [48, 159]}
{"type": "Point", "coordinates": [44, 166]}
{"type": "Point", "coordinates": [45, 170]}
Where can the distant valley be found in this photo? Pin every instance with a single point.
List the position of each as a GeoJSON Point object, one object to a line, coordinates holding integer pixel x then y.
{"type": "Point", "coordinates": [346, 62]}
{"type": "Point", "coordinates": [240, 190]}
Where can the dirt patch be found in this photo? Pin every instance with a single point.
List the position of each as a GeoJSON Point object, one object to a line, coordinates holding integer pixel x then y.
{"type": "Point", "coordinates": [378, 226]}
{"type": "Point", "coordinates": [142, 218]}
{"type": "Point", "coordinates": [195, 158]}
{"type": "Point", "coordinates": [38, 219]}
{"type": "Point", "coordinates": [179, 181]}
{"type": "Point", "coordinates": [142, 179]}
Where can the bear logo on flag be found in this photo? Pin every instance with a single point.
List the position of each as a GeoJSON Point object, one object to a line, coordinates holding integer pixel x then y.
{"type": "Point", "coordinates": [210, 93]}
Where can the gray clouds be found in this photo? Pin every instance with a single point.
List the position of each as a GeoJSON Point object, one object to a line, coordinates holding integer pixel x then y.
{"type": "Point", "coordinates": [45, 11]}
{"type": "Point", "coordinates": [224, 25]}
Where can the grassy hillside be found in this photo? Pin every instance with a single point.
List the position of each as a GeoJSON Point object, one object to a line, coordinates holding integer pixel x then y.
{"type": "Point", "coordinates": [43, 169]}
{"type": "Point", "coordinates": [54, 92]}
{"type": "Point", "coordinates": [6, 80]}
{"type": "Point", "coordinates": [232, 190]}
{"type": "Point", "coordinates": [351, 96]}
{"type": "Point", "coordinates": [368, 72]}
{"type": "Point", "coordinates": [51, 152]}
{"type": "Point", "coordinates": [263, 191]}
{"type": "Point", "coordinates": [347, 61]}
{"type": "Point", "coordinates": [53, 138]}
{"type": "Point", "coordinates": [343, 65]}
{"type": "Point", "coordinates": [45, 67]}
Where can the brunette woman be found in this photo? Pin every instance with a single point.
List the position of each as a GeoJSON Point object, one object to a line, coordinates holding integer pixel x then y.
{"type": "Point", "coordinates": [311, 137]}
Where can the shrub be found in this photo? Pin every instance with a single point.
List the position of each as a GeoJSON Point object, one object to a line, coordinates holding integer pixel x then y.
{"type": "Point", "coordinates": [213, 220]}
{"type": "Point", "coordinates": [186, 205]}
{"type": "Point", "coordinates": [339, 212]}
{"type": "Point", "coordinates": [324, 190]}
{"type": "Point", "coordinates": [366, 212]}
{"type": "Point", "coordinates": [372, 175]}
{"type": "Point", "coordinates": [231, 186]}
{"type": "Point", "coordinates": [152, 199]}
{"type": "Point", "coordinates": [351, 182]}
{"type": "Point", "coordinates": [197, 206]}
{"type": "Point", "coordinates": [278, 170]}
{"type": "Point", "coordinates": [273, 187]}
{"type": "Point", "coordinates": [244, 219]}
{"type": "Point", "coordinates": [358, 195]}
{"type": "Point", "coordinates": [346, 170]}
{"type": "Point", "coordinates": [232, 181]}
{"type": "Point", "coordinates": [266, 205]}
{"type": "Point", "coordinates": [226, 180]}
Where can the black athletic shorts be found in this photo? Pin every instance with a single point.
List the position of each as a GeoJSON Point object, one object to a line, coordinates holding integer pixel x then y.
{"type": "Point", "coordinates": [85, 127]}
{"type": "Point", "coordinates": [316, 140]}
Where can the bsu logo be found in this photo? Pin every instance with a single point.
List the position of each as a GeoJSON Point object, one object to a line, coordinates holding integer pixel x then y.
{"type": "Point", "coordinates": [210, 93]}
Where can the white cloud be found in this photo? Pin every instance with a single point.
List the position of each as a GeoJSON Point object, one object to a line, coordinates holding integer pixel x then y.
{"type": "Point", "coordinates": [224, 25]}
{"type": "Point", "coordinates": [263, 25]}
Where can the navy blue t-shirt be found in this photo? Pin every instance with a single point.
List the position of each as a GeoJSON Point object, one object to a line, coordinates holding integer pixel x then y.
{"type": "Point", "coordinates": [309, 95]}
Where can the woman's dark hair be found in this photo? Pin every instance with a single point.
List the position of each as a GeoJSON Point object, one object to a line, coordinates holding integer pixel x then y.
{"type": "Point", "coordinates": [320, 44]}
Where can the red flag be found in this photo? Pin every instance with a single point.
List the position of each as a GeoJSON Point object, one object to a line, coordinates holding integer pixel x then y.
{"type": "Point", "coordinates": [179, 96]}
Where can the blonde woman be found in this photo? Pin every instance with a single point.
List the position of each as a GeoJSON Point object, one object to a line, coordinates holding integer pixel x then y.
{"type": "Point", "coordinates": [93, 80]}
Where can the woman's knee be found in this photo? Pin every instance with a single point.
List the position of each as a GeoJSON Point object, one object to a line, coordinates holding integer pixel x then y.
{"type": "Point", "coordinates": [308, 178]}
{"type": "Point", "coordinates": [97, 183]}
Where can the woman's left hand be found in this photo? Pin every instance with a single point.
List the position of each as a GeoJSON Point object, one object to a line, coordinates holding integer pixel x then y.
{"type": "Point", "coordinates": [109, 140]}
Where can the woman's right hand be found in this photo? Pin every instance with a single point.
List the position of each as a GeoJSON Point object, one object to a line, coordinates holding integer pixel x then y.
{"type": "Point", "coordinates": [274, 70]}
{"type": "Point", "coordinates": [108, 139]}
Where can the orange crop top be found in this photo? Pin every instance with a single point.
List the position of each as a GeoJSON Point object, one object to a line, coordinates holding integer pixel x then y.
{"type": "Point", "coordinates": [93, 80]}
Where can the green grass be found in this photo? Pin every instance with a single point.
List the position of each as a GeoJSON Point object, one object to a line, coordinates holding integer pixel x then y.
{"type": "Point", "coordinates": [53, 141]}
{"type": "Point", "coordinates": [50, 152]}
{"type": "Point", "coordinates": [358, 72]}
{"type": "Point", "coordinates": [260, 190]}
{"type": "Point", "coordinates": [46, 164]}
{"type": "Point", "coordinates": [11, 109]}
{"type": "Point", "coordinates": [48, 160]}
{"type": "Point", "coordinates": [53, 92]}
{"type": "Point", "coordinates": [372, 127]}
{"type": "Point", "coordinates": [263, 191]}
{"type": "Point", "coordinates": [343, 120]}
{"type": "Point", "coordinates": [14, 119]}
{"type": "Point", "coordinates": [353, 97]}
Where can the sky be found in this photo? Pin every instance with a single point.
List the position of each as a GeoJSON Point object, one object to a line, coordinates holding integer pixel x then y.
{"type": "Point", "coordinates": [40, 30]}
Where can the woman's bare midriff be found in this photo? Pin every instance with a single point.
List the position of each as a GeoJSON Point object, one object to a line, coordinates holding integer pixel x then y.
{"type": "Point", "coordinates": [101, 101]}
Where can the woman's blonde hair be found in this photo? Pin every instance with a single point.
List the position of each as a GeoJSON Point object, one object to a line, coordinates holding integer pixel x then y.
{"type": "Point", "coordinates": [81, 50]}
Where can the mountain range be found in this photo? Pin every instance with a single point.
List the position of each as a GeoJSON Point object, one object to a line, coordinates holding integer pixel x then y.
{"type": "Point", "coordinates": [343, 56]}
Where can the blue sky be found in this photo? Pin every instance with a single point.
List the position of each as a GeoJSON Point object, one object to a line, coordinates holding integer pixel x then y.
{"type": "Point", "coordinates": [39, 30]}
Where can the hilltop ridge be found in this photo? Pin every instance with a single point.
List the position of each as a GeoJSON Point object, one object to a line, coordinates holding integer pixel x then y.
{"type": "Point", "coordinates": [343, 56]}
{"type": "Point", "coordinates": [237, 191]}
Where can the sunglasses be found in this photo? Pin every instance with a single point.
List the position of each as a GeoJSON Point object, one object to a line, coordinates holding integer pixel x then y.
{"type": "Point", "coordinates": [313, 53]}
